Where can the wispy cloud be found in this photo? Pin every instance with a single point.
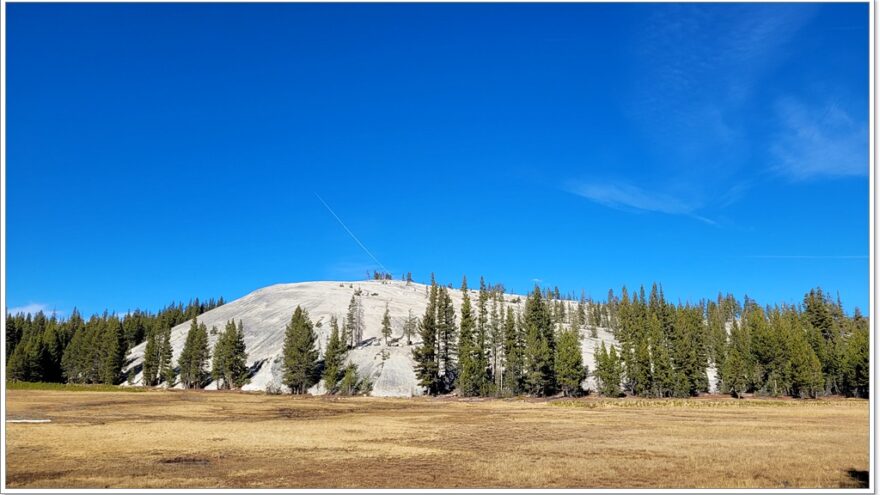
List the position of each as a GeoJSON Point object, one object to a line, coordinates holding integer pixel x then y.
{"type": "Point", "coordinates": [692, 104]}
{"type": "Point", "coordinates": [819, 142]}
{"type": "Point", "coordinates": [627, 197]}
{"type": "Point", "coordinates": [697, 81]}
{"type": "Point", "coordinates": [34, 308]}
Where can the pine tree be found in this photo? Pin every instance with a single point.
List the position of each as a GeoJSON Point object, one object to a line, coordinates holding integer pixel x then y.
{"type": "Point", "coordinates": [334, 358]}
{"type": "Point", "coordinates": [229, 367]}
{"type": "Point", "coordinates": [807, 379]}
{"type": "Point", "coordinates": [386, 325]}
{"type": "Point", "coordinates": [447, 338]}
{"type": "Point", "coordinates": [194, 357]}
{"type": "Point", "coordinates": [690, 357]}
{"type": "Point", "coordinates": [354, 322]}
{"type": "Point", "coordinates": [112, 352]}
{"type": "Point", "coordinates": [410, 327]}
{"type": "Point", "coordinates": [539, 347]}
{"type": "Point", "coordinates": [350, 383]}
{"type": "Point", "coordinates": [856, 363]}
{"type": "Point", "coordinates": [609, 371]}
{"type": "Point", "coordinates": [481, 341]}
{"type": "Point", "coordinates": [513, 354]}
{"type": "Point", "coordinates": [468, 365]}
{"type": "Point", "coordinates": [166, 368]}
{"type": "Point", "coordinates": [569, 365]}
{"type": "Point", "coordinates": [237, 367]}
{"type": "Point", "coordinates": [427, 366]}
{"type": "Point", "coordinates": [496, 344]}
{"type": "Point", "coordinates": [737, 372]}
{"type": "Point", "coordinates": [300, 355]}
{"type": "Point", "coordinates": [151, 360]}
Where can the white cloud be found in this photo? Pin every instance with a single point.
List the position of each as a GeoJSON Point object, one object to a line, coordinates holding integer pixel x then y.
{"type": "Point", "coordinates": [34, 308]}
{"type": "Point", "coordinates": [819, 141]}
{"type": "Point", "coordinates": [627, 197]}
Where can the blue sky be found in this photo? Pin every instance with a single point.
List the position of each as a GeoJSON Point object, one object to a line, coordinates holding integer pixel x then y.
{"type": "Point", "coordinates": [166, 151]}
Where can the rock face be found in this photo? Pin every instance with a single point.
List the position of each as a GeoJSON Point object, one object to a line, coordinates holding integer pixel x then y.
{"type": "Point", "coordinates": [266, 312]}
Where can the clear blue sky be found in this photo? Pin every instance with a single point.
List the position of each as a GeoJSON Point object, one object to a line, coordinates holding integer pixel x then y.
{"type": "Point", "coordinates": [167, 151]}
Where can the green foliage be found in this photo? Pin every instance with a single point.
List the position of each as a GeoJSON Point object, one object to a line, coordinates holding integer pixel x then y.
{"type": "Point", "coordinates": [166, 368]}
{"type": "Point", "coordinates": [352, 384]}
{"type": "Point", "coordinates": [386, 325]}
{"type": "Point", "coordinates": [738, 369]}
{"type": "Point", "coordinates": [94, 355]}
{"type": "Point", "coordinates": [469, 373]}
{"type": "Point", "coordinates": [353, 324]}
{"type": "Point", "coordinates": [569, 365]}
{"type": "Point", "coordinates": [194, 357]}
{"type": "Point", "coordinates": [76, 351]}
{"type": "Point", "coordinates": [856, 369]}
{"type": "Point", "coordinates": [410, 327]}
{"type": "Point", "coordinates": [300, 355]}
{"type": "Point", "coordinates": [334, 357]}
{"type": "Point", "coordinates": [151, 360]}
{"type": "Point", "coordinates": [609, 371]}
{"type": "Point", "coordinates": [447, 335]}
{"type": "Point", "coordinates": [512, 379]}
{"type": "Point", "coordinates": [427, 366]}
{"type": "Point", "coordinates": [229, 367]}
{"type": "Point", "coordinates": [540, 347]}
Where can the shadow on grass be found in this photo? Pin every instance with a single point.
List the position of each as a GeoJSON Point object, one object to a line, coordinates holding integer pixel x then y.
{"type": "Point", "coordinates": [860, 477]}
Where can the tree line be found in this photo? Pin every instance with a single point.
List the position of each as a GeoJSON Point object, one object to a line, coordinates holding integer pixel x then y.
{"type": "Point", "coordinates": [662, 350]}
{"type": "Point", "coordinates": [496, 351]}
{"type": "Point", "coordinates": [52, 349]}
{"type": "Point", "coordinates": [492, 346]}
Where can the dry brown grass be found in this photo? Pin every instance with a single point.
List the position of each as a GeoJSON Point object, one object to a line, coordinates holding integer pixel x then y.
{"type": "Point", "coordinates": [216, 439]}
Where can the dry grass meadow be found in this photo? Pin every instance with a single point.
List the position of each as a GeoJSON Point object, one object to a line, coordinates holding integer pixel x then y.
{"type": "Point", "coordinates": [214, 439]}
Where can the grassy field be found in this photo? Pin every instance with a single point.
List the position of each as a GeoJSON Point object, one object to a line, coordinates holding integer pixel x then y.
{"type": "Point", "coordinates": [214, 439]}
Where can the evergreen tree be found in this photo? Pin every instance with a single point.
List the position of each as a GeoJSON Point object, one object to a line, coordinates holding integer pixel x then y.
{"type": "Point", "coordinates": [481, 341]}
{"type": "Point", "coordinates": [334, 358]}
{"type": "Point", "coordinates": [151, 360]}
{"type": "Point", "coordinates": [446, 338]}
{"type": "Point", "coordinates": [194, 357]}
{"type": "Point", "coordinates": [469, 382]}
{"type": "Point", "coordinates": [806, 372]}
{"type": "Point", "coordinates": [350, 383]}
{"type": "Point", "coordinates": [427, 365]}
{"type": "Point", "coordinates": [237, 367]}
{"type": "Point", "coordinates": [112, 353]}
{"type": "Point", "coordinates": [539, 346]}
{"type": "Point", "coordinates": [690, 358]}
{"type": "Point", "coordinates": [856, 362]}
{"type": "Point", "coordinates": [737, 373]}
{"type": "Point", "coordinates": [166, 368]}
{"type": "Point", "coordinates": [609, 371]}
{"type": "Point", "coordinates": [513, 354]}
{"type": "Point", "coordinates": [229, 367]}
{"type": "Point", "coordinates": [354, 322]}
{"type": "Point", "coordinates": [496, 343]}
{"type": "Point", "coordinates": [570, 370]}
{"type": "Point", "coordinates": [410, 327]}
{"type": "Point", "coordinates": [300, 355]}
{"type": "Point", "coordinates": [386, 325]}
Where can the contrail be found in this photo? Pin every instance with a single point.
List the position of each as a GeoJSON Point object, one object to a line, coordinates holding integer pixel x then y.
{"type": "Point", "coordinates": [361, 244]}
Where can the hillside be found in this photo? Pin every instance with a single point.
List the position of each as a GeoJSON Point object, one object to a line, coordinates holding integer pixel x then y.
{"type": "Point", "coordinates": [266, 312]}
